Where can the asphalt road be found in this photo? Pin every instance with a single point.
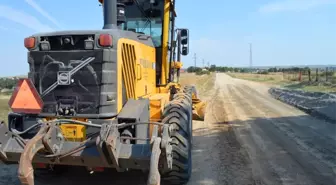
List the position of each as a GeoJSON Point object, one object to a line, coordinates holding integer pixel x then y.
{"type": "Point", "coordinates": [247, 138]}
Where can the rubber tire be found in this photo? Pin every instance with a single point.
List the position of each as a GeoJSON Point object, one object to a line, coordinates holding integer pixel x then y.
{"type": "Point", "coordinates": [181, 145]}
{"type": "Point", "coordinates": [191, 89]}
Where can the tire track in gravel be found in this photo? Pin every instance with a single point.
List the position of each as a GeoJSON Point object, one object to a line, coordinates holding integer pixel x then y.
{"type": "Point", "coordinates": [239, 169]}
{"type": "Point", "coordinates": [297, 165]}
{"type": "Point", "coordinates": [223, 159]}
{"type": "Point", "coordinates": [320, 146]}
{"type": "Point", "coordinates": [319, 127]}
{"type": "Point", "coordinates": [279, 163]}
{"type": "Point", "coordinates": [261, 169]}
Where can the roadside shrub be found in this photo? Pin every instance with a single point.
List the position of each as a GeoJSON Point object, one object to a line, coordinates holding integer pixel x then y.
{"type": "Point", "coordinates": [263, 72]}
{"type": "Point", "coordinates": [202, 72]}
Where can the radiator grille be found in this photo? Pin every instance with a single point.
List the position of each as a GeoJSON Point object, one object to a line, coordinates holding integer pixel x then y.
{"type": "Point", "coordinates": [128, 69]}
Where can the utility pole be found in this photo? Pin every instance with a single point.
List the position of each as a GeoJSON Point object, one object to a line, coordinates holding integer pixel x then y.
{"type": "Point", "coordinates": [203, 63]}
{"type": "Point", "coordinates": [208, 64]}
{"type": "Point", "coordinates": [251, 60]}
{"type": "Point", "coordinates": [195, 60]}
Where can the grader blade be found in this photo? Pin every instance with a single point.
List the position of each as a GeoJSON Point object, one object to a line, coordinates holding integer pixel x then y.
{"type": "Point", "coordinates": [198, 109]}
{"type": "Point", "coordinates": [198, 106]}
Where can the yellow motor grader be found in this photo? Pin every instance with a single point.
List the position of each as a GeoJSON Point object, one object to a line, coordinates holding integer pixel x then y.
{"type": "Point", "coordinates": [106, 98]}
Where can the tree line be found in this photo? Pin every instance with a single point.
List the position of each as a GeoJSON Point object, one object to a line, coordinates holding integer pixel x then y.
{"type": "Point", "coordinates": [304, 70]}
{"type": "Point", "coordinates": [8, 83]}
{"type": "Point", "coordinates": [214, 68]}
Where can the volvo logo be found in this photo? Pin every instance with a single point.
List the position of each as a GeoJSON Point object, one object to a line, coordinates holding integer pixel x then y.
{"type": "Point", "coordinates": [63, 78]}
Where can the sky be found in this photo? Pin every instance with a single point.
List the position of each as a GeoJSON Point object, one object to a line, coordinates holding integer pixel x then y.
{"type": "Point", "coordinates": [282, 32]}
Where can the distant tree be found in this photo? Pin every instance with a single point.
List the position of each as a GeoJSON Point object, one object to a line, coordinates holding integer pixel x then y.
{"type": "Point", "coordinates": [193, 69]}
{"type": "Point", "coordinates": [272, 70]}
{"type": "Point", "coordinates": [8, 83]}
{"type": "Point", "coordinates": [213, 68]}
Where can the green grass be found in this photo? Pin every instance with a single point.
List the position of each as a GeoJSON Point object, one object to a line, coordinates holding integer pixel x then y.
{"type": "Point", "coordinates": [280, 80]}
{"type": "Point", "coordinates": [276, 78]}
{"type": "Point", "coordinates": [319, 89]}
{"type": "Point", "coordinates": [203, 83]}
{"type": "Point", "coordinates": [312, 87]}
{"type": "Point", "coordinates": [4, 108]}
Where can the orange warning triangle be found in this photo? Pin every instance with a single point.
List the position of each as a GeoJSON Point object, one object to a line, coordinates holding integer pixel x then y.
{"type": "Point", "coordinates": [25, 98]}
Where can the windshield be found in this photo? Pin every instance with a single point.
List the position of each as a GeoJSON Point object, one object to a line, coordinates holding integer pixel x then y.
{"type": "Point", "coordinates": [152, 28]}
{"type": "Point", "coordinates": [146, 18]}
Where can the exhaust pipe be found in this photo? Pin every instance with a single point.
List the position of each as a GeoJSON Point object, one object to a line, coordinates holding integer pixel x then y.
{"type": "Point", "coordinates": [114, 14]}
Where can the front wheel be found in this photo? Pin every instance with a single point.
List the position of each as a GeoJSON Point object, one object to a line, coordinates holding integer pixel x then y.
{"type": "Point", "coordinates": [178, 114]}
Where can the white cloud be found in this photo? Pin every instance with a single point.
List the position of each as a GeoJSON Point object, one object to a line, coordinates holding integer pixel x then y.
{"type": "Point", "coordinates": [23, 19]}
{"type": "Point", "coordinates": [42, 12]}
{"type": "Point", "coordinates": [4, 28]}
{"type": "Point", "coordinates": [293, 5]}
{"type": "Point", "coordinates": [9, 29]}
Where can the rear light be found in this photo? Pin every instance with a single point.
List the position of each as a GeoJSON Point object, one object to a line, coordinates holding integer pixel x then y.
{"type": "Point", "coordinates": [40, 165]}
{"type": "Point", "coordinates": [105, 40]}
{"type": "Point", "coordinates": [29, 42]}
{"type": "Point", "coordinates": [95, 169]}
{"type": "Point", "coordinates": [98, 169]}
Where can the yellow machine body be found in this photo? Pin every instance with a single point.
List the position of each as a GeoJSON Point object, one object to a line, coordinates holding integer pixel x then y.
{"type": "Point", "coordinates": [111, 101]}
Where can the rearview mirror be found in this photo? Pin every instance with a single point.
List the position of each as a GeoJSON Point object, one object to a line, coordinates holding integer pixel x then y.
{"type": "Point", "coordinates": [184, 36]}
{"type": "Point", "coordinates": [185, 50]}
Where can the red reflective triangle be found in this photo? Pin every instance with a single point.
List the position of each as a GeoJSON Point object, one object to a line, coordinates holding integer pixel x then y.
{"type": "Point", "coordinates": [25, 98]}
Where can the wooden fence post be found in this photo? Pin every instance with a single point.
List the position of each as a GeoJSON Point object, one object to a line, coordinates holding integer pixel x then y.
{"type": "Point", "coordinates": [309, 75]}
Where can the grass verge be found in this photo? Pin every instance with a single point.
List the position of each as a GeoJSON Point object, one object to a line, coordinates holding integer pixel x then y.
{"type": "Point", "coordinates": [275, 79]}
{"type": "Point", "coordinates": [279, 80]}
{"type": "Point", "coordinates": [4, 108]}
{"type": "Point", "coordinates": [203, 83]}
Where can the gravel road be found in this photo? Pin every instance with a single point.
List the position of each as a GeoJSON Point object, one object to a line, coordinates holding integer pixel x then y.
{"type": "Point", "coordinates": [247, 138]}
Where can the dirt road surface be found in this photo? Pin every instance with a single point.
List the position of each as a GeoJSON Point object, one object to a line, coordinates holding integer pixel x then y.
{"type": "Point", "coordinates": [247, 138]}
